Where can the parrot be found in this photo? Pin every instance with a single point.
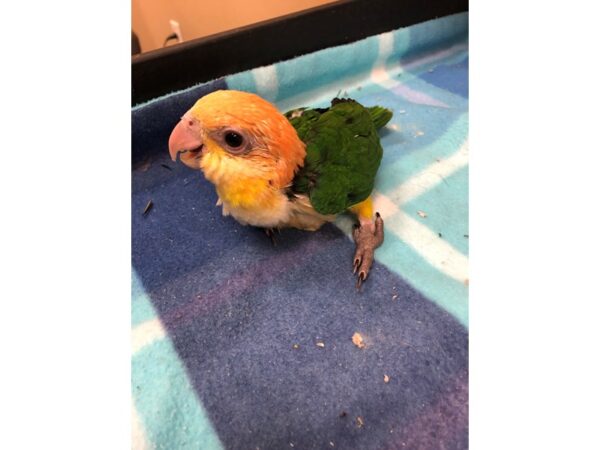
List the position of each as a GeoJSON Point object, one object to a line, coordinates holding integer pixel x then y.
{"type": "Point", "coordinates": [298, 169]}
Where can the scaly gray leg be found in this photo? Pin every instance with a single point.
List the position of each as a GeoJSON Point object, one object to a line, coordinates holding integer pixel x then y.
{"type": "Point", "coordinates": [367, 235]}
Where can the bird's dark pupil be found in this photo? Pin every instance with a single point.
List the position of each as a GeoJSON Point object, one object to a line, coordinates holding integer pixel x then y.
{"type": "Point", "coordinates": [233, 139]}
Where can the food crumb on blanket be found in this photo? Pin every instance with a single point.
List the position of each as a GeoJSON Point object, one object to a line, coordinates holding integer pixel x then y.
{"type": "Point", "coordinates": [357, 340]}
{"type": "Point", "coordinates": [320, 344]}
{"type": "Point", "coordinates": [386, 379]}
{"type": "Point", "coordinates": [360, 422]}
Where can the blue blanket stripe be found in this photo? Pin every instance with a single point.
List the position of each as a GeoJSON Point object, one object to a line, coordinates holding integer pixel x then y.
{"type": "Point", "coordinates": [427, 89]}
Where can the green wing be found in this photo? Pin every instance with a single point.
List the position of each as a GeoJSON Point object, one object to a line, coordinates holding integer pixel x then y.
{"type": "Point", "coordinates": [343, 153]}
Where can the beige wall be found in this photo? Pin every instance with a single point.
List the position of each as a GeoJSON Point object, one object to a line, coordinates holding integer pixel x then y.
{"type": "Point", "coordinates": [199, 18]}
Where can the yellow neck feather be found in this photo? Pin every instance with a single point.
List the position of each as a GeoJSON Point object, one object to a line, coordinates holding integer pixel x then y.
{"type": "Point", "coordinates": [238, 183]}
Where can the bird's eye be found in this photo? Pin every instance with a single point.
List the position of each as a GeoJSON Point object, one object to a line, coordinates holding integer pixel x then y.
{"type": "Point", "coordinates": [234, 139]}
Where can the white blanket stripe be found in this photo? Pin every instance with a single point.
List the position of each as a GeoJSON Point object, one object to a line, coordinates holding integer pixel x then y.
{"type": "Point", "coordinates": [267, 82]}
{"type": "Point", "coordinates": [436, 251]}
{"type": "Point", "coordinates": [430, 177]}
{"type": "Point", "coordinates": [139, 440]}
{"type": "Point", "coordinates": [146, 333]}
{"type": "Point", "coordinates": [386, 47]}
{"type": "Point", "coordinates": [433, 57]}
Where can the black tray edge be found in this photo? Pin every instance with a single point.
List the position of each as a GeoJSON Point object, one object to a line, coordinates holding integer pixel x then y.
{"type": "Point", "coordinates": [170, 69]}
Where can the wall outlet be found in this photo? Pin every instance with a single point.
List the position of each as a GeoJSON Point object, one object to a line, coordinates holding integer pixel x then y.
{"type": "Point", "coordinates": [176, 29]}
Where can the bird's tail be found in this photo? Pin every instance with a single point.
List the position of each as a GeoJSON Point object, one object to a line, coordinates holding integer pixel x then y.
{"type": "Point", "coordinates": [380, 115]}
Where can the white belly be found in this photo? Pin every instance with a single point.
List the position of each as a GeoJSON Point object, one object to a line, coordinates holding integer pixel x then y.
{"type": "Point", "coordinates": [296, 214]}
{"type": "Point", "coordinates": [265, 218]}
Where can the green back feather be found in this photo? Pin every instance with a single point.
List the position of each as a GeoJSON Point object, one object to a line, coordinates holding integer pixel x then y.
{"type": "Point", "coordinates": [343, 153]}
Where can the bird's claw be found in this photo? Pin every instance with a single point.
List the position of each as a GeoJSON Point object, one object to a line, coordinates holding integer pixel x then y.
{"type": "Point", "coordinates": [356, 265]}
{"type": "Point", "coordinates": [361, 277]}
{"type": "Point", "coordinates": [367, 236]}
{"type": "Point", "coordinates": [271, 235]}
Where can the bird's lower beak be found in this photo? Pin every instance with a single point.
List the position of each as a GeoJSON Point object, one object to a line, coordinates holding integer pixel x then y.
{"type": "Point", "coordinates": [185, 137]}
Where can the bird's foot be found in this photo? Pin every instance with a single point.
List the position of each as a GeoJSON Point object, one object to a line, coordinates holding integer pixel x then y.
{"type": "Point", "coordinates": [270, 232]}
{"type": "Point", "coordinates": [367, 236]}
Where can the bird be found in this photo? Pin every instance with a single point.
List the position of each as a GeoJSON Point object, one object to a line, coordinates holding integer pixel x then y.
{"type": "Point", "coordinates": [298, 169]}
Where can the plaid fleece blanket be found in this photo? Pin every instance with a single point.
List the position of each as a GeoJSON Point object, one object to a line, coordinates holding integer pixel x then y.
{"type": "Point", "coordinates": [237, 344]}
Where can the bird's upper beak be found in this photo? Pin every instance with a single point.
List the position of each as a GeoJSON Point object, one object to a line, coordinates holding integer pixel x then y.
{"type": "Point", "coordinates": [185, 137]}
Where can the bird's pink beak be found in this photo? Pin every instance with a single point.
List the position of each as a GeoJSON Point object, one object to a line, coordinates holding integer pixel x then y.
{"type": "Point", "coordinates": [185, 137]}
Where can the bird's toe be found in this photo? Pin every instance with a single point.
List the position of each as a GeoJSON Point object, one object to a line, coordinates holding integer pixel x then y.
{"type": "Point", "coordinates": [367, 236]}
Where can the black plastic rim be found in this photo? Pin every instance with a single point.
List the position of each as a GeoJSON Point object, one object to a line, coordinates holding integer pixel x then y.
{"type": "Point", "coordinates": [177, 67]}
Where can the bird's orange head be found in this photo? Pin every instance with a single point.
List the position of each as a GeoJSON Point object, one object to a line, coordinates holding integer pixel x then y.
{"type": "Point", "coordinates": [233, 135]}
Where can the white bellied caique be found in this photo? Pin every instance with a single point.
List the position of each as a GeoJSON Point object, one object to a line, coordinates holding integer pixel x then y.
{"type": "Point", "coordinates": [297, 170]}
